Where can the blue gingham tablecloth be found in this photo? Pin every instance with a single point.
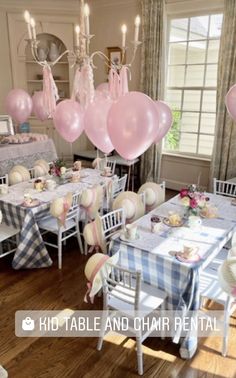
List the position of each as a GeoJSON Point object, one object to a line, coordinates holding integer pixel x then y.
{"type": "Point", "coordinates": [154, 255]}
{"type": "Point", "coordinates": [31, 251]}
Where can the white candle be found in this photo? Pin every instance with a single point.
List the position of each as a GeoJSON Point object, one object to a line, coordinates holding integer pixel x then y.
{"type": "Point", "coordinates": [77, 33]}
{"type": "Point", "coordinates": [27, 20]}
{"type": "Point", "coordinates": [32, 23]}
{"type": "Point", "coordinates": [136, 30]}
{"type": "Point", "coordinates": [86, 19]}
{"type": "Point", "coordinates": [123, 30]}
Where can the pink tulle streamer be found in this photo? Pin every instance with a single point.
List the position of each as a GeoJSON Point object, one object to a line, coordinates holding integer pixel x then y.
{"type": "Point", "coordinates": [118, 83]}
{"type": "Point", "coordinates": [83, 86]}
{"type": "Point", "coordinates": [50, 92]}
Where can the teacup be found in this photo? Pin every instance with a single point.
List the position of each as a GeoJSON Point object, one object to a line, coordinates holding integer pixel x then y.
{"type": "Point", "coordinates": [50, 184]}
{"type": "Point", "coordinates": [189, 251]}
{"type": "Point", "coordinates": [3, 189]}
{"type": "Point", "coordinates": [75, 177]}
{"type": "Point", "coordinates": [107, 171]}
{"type": "Point", "coordinates": [131, 231]}
{"type": "Point", "coordinates": [156, 224]}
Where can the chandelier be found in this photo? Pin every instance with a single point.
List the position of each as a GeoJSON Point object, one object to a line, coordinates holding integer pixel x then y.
{"type": "Point", "coordinates": [83, 86]}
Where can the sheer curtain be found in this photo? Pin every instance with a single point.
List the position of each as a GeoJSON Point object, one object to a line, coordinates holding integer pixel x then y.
{"type": "Point", "coordinates": [152, 74]}
{"type": "Point", "coordinates": [223, 165]}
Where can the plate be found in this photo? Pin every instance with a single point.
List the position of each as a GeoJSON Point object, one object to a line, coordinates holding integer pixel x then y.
{"type": "Point", "coordinates": [195, 258]}
{"type": "Point", "coordinates": [107, 175]}
{"type": "Point", "coordinates": [167, 223]}
{"type": "Point", "coordinates": [205, 217]}
{"type": "Point", "coordinates": [125, 239]}
{"type": "Point", "coordinates": [35, 202]}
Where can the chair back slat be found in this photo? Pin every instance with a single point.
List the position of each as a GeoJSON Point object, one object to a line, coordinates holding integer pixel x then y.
{"type": "Point", "coordinates": [112, 165]}
{"type": "Point", "coordinates": [225, 188]}
{"type": "Point", "coordinates": [122, 284]}
{"type": "Point", "coordinates": [112, 221]}
{"type": "Point", "coordinates": [4, 179]}
{"type": "Point", "coordinates": [118, 186]}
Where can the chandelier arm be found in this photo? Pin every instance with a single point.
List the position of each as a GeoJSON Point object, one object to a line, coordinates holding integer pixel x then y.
{"type": "Point", "coordinates": [102, 56]}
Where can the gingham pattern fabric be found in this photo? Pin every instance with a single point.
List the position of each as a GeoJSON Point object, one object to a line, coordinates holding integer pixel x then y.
{"type": "Point", "coordinates": [159, 268]}
{"type": "Point", "coordinates": [31, 251]}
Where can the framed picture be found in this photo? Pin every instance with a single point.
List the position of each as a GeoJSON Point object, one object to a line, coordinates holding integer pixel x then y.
{"type": "Point", "coordinates": [115, 55]}
{"type": "Point", "coordinates": [6, 125]}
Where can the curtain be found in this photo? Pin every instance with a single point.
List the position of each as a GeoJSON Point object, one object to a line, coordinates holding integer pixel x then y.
{"type": "Point", "coordinates": [152, 74]}
{"type": "Point", "coordinates": [223, 165]}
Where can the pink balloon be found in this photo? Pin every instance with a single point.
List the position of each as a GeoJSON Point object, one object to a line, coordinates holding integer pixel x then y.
{"type": "Point", "coordinates": [230, 102]}
{"type": "Point", "coordinates": [103, 90]}
{"type": "Point", "coordinates": [132, 124]}
{"type": "Point", "coordinates": [95, 121]}
{"type": "Point", "coordinates": [38, 106]}
{"type": "Point", "coordinates": [19, 105]}
{"type": "Point", "coordinates": [68, 119]}
{"type": "Point", "coordinates": [165, 119]}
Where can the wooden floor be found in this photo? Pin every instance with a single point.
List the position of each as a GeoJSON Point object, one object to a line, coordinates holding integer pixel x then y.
{"type": "Point", "coordinates": [50, 288]}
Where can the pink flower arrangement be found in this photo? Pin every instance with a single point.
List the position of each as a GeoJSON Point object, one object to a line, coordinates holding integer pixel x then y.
{"type": "Point", "coordinates": [58, 168]}
{"type": "Point", "coordinates": [193, 199]}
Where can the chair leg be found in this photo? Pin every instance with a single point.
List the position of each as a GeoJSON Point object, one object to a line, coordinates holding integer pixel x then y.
{"type": "Point", "coordinates": [226, 326]}
{"type": "Point", "coordinates": [102, 332]}
{"type": "Point", "coordinates": [59, 246]}
{"type": "Point", "coordinates": [85, 248]}
{"type": "Point", "coordinates": [139, 354]}
{"type": "Point", "coordinates": [79, 239]}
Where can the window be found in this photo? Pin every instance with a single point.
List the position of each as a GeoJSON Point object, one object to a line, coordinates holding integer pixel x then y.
{"type": "Point", "coordinates": [191, 83]}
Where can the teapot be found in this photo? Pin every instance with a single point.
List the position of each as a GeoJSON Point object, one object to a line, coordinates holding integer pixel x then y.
{"type": "Point", "coordinates": [54, 51]}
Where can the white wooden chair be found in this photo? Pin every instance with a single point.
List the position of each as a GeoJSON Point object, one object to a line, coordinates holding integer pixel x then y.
{"type": "Point", "coordinates": [4, 179]}
{"type": "Point", "coordinates": [117, 186]}
{"type": "Point", "coordinates": [111, 164]}
{"type": "Point", "coordinates": [7, 233]}
{"type": "Point", "coordinates": [112, 222]}
{"type": "Point", "coordinates": [225, 188]}
{"type": "Point", "coordinates": [123, 291]}
{"type": "Point", "coordinates": [210, 289]}
{"type": "Point", "coordinates": [50, 224]}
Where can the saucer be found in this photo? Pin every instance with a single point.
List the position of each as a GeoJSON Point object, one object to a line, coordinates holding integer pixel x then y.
{"type": "Point", "coordinates": [167, 223]}
{"type": "Point", "coordinates": [194, 258]}
{"type": "Point", "coordinates": [35, 202]}
{"type": "Point", "coordinates": [127, 240]}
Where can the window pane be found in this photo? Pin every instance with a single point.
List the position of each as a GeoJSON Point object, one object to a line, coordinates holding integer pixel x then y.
{"type": "Point", "coordinates": [213, 51]}
{"type": "Point", "coordinates": [215, 25]}
{"type": "Point", "coordinates": [211, 75]}
{"type": "Point", "coordinates": [178, 30]}
{"type": "Point", "coordinates": [177, 53]}
{"type": "Point", "coordinates": [173, 136]}
{"type": "Point", "coordinates": [196, 52]}
{"type": "Point", "coordinates": [205, 144]}
{"type": "Point", "coordinates": [199, 27]}
{"type": "Point", "coordinates": [188, 143]}
{"type": "Point", "coordinates": [209, 101]}
{"type": "Point", "coordinates": [176, 76]}
{"type": "Point", "coordinates": [190, 122]}
{"type": "Point", "coordinates": [173, 98]}
{"type": "Point", "coordinates": [191, 100]}
{"type": "Point", "coordinates": [194, 76]}
{"type": "Point", "coordinates": [208, 123]}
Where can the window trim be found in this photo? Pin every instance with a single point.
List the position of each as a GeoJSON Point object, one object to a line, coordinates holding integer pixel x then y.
{"type": "Point", "coordinates": [189, 15]}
